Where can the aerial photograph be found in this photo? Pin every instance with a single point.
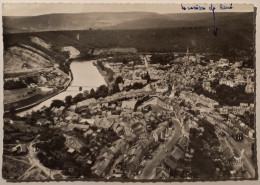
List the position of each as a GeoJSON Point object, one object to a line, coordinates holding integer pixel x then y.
{"type": "Point", "coordinates": [129, 92]}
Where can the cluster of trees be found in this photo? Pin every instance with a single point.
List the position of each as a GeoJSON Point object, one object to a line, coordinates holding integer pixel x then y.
{"type": "Point", "coordinates": [156, 119]}
{"type": "Point", "coordinates": [65, 66]}
{"type": "Point", "coordinates": [226, 95]}
{"type": "Point", "coordinates": [162, 59]}
{"type": "Point", "coordinates": [53, 154]}
{"type": "Point", "coordinates": [249, 119]}
{"type": "Point", "coordinates": [228, 42]}
{"type": "Point", "coordinates": [140, 101]}
{"type": "Point", "coordinates": [209, 134]}
{"type": "Point", "coordinates": [105, 138]}
{"type": "Point", "coordinates": [125, 59]}
{"type": "Point", "coordinates": [202, 164]}
{"type": "Point", "coordinates": [68, 100]}
{"type": "Point", "coordinates": [115, 86]}
{"type": "Point", "coordinates": [147, 77]}
{"type": "Point", "coordinates": [250, 63]}
{"type": "Point", "coordinates": [136, 85]}
{"type": "Point", "coordinates": [119, 79]}
{"type": "Point", "coordinates": [31, 79]}
{"type": "Point", "coordinates": [53, 151]}
{"type": "Point", "coordinates": [109, 71]}
{"type": "Point", "coordinates": [79, 97]}
{"type": "Point", "coordinates": [22, 83]}
{"type": "Point", "coordinates": [32, 118]}
{"type": "Point", "coordinates": [51, 142]}
{"type": "Point", "coordinates": [57, 103]}
{"type": "Point", "coordinates": [101, 91]}
{"type": "Point", "coordinates": [11, 85]}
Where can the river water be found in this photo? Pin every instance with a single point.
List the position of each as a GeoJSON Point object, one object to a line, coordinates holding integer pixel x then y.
{"type": "Point", "coordinates": [85, 74]}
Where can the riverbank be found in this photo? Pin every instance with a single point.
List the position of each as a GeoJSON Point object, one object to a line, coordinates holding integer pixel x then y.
{"type": "Point", "coordinates": [81, 74]}
{"type": "Point", "coordinates": [39, 101]}
{"type": "Point", "coordinates": [104, 74]}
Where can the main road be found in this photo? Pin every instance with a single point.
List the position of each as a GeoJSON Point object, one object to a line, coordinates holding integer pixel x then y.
{"type": "Point", "coordinates": [161, 153]}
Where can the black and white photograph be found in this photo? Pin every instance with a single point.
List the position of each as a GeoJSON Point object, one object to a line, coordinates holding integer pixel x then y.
{"type": "Point", "coordinates": [129, 92]}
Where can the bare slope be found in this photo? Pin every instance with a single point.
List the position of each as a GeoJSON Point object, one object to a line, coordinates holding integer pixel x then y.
{"type": "Point", "coordinates": [21, 59]}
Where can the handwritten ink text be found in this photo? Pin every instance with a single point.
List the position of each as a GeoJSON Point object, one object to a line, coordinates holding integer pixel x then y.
{"type": "Point", "coordinates": [196, 7]}
{"type": "Point", "coordinates": [223, 7]}
{"type": "Point", "coordinates": [211, 7]}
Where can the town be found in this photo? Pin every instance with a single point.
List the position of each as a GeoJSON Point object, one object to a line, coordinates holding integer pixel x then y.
{"type": "Point", "coordinates": [161, 116]}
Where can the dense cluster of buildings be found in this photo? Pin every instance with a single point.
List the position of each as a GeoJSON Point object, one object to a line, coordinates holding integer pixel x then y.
{"type": "Point", "coordinates": [141, 119]}
{"type": "Point", "coordinates": [132, 122]}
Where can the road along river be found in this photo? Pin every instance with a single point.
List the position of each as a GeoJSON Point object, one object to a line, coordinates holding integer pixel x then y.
{"type": "Point", "coordinates": [85, 75]}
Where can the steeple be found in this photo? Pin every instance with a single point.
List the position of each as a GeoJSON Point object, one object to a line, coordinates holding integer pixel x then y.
{"type": "Point", "coordinates": [187, 53]}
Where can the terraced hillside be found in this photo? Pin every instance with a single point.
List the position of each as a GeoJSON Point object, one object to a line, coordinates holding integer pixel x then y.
{"type": "Point", "coordinates": [34, 70]}
{"type": "Point", "coordinates": [22, 59]}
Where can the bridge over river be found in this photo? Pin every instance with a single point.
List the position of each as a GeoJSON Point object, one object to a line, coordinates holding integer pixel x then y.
{"type": "Point", "coordinates": [85, 77]}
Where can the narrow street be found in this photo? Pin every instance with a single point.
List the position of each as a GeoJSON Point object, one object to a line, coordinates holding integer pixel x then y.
{"type": "Point", "coordinates": [160, 153]}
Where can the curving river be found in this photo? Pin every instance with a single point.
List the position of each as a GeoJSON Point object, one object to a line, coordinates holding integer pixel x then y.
{"type": "Point", "coordinates": [85, 74]}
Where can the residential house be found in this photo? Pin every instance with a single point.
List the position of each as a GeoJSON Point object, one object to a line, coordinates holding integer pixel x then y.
{"type": "Point", "coordinates": [177, 154]}
{"type": "Point", "coordinates": [78, 126]}
{"type": "Point", "coordinates": [101, 167]}
{"type": "Point", "coordinates": [250, 87]}
{"type": "Point", "coordinates": [162, 172]}
{"type": "Point", "coordinates": [88, 133]}
{"type": "Point", "coordinates": [251, 133]}
{"type": "Point", "coordinates": [160, 132]}
{"type": "Point", "coordinates": [129, 104]}
{"type": "Point", "coordinates": [183, 143]}
{"type": "Point", "coordinates": [170, 163]}
{"type": "Point", "coordinates": [42, 122]}
{"type": "Point", "coordinates": [134, 158]}
{"type": "Point", "coordinates": [86, 102]}
{"type": "Point", "coordinates": [156, 101]}
{"type": "Point", "coordinates": [58, 111]}
{"type": "Point", "coordinates": [227, 82]}
{"type": "Point", "coordinates": [20, 149]}
{"type": "Point", "coordinates": [8, 121]}
{"type": "Point", "coordinates": [72, 142]}
{"type": "Point", "coordinates": [103, 123]}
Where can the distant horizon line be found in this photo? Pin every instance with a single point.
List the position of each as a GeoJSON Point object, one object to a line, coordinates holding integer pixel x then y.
{"type": "Point", "coordinates": [59, 13]}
